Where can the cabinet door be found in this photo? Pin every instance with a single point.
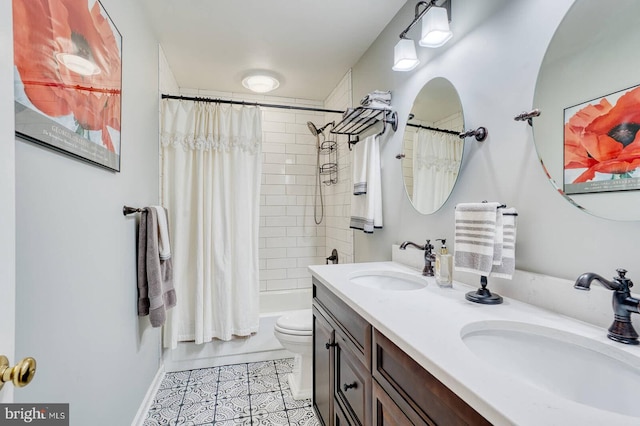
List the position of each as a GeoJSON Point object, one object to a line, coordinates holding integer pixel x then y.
{"type": "Point", "coordinates": [340, 418]}
{"type": "Point", "coordinates": [353, 381]}
{"type": "Point", "coordinates": [323, 342]}
{"type": "Point", "coordinates": [408, 383]}
{"type": "Point", "coordinates": [386, 412]}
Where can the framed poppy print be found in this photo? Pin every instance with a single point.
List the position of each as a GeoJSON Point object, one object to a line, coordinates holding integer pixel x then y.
{"type": "Point", "coordinates": [68, 78]}
{"type": "Point", "coordinates": [602, 144]}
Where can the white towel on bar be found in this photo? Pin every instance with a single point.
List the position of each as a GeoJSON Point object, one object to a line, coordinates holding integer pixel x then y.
{"type": "Point", "coordinates": [164, 246]}
{"type": "Point", "coordinates": [508, 264]}
{"type": "Point", "coordinates": [359, 167]}
{"type": "Point", "coordinates": [475, 233]}
{"type": "Point", "coordinates": [366, 208]}
{"type": "Point", "coordinates": [379, 96]}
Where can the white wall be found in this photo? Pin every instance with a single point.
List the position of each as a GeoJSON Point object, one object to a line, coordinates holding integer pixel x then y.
{"type": "Point", "coordinates": [76, 254]}
{"type": "Point", "coordinates": [493, 61]}
{"type": "Point", "coordinates": [7, 194]}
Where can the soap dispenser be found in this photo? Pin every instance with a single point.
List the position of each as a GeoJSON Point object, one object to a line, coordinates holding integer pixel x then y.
{"type": "Point", "coordinates": [444, 266]}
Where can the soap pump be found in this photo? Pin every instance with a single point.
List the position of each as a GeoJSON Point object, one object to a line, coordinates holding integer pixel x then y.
{"type": "Point", "coordinates": [444, 266]}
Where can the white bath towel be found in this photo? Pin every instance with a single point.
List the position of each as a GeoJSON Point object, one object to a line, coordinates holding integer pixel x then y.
{"type": "Point", "coordinates": [366, 208]}
{"type": "Point", "coordinates": [475, 232]}
{"type": "Point", "coordinates": [164, 246]}
{"type": "Point", "coordinates": [359, 167]}
{"type": "Point", "coordinates": [508, 264]}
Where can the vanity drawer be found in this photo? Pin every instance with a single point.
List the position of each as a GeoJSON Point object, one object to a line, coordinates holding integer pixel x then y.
{"type": "Point", "coordinates": [354, 326]}
{"type": "Point", "coordinates": [352, 381]}
{"type": "Point", "coordinates": [408, 383]}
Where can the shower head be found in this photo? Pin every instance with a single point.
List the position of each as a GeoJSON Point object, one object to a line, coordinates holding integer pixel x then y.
{"type": "Point", "coordinates": [313, 129]}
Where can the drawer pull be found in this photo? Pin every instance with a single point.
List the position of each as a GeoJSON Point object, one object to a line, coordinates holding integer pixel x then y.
{"type": "Point", "coordinates": [353, 385]}
{"type": "Point", "coordinates": [330, 345]}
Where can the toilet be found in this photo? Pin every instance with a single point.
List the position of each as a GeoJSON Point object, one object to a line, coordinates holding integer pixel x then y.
{"type": "Point", "coordinates": [294, 331]}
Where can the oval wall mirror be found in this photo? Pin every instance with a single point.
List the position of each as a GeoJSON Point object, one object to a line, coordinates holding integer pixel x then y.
{"type": "Point", "coordinates": [431, 146]}
{"type": "Point", "coordinates": [587, 136]}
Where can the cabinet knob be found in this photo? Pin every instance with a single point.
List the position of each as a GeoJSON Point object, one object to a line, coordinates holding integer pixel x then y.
{"type": "Point", "coordinates": [330, 344]}
{"type": "Point", "coordinates": [353, 385]}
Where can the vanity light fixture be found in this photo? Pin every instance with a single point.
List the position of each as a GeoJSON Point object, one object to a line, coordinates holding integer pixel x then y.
{"type": "Point", "coordinates": [435, 33]}
{"type": "Point", "coordinates": [404, 55]}
{"type": "Point", "coordinates": [260, 82]}
{"type": "Point", "coordinates": [435, 28]}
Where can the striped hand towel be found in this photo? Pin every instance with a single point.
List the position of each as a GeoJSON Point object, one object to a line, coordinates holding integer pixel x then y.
{"type": "Point", "coordinates": [475, 234]}
{"type": "Point", "coordinates": [508, 264]}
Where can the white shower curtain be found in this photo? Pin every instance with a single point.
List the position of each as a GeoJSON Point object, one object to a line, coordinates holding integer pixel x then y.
{"type": "Point", "coordinates": [436, 162]}
{"type": "Point", "coordinates": [211, 165]}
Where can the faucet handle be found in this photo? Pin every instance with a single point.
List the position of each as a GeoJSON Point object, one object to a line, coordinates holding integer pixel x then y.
{"type": "Point", "coordinates": [622, 279]}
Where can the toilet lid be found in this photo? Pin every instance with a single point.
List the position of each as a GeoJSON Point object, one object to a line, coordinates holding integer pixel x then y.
{"type": "Point", "coordinates": [301, 320]}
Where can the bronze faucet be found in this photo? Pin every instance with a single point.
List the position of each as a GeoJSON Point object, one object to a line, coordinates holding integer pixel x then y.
{"type": "Point", "coordinates": [623, 304]}
{"type": "Point", "coordinates": [429, 257]}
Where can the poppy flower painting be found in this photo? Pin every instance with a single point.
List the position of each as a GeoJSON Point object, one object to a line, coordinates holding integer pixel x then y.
{"type": "Point", "coordinates": [68, 78]}
{"type": "Point", "coordinates": [602, 144]}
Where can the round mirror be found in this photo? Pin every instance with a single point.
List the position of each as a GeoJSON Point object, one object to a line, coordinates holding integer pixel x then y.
{"type": "Point", "coordinates": [588, 93]}
{"type": "Point", "coordinates": [431, 146]}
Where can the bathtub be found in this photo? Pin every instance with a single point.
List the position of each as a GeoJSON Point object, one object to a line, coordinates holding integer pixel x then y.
{"type": "Point", "coordinates": [262, 346]}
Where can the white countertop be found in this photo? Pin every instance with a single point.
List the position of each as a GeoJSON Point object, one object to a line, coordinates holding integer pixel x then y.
{"type": "Point", "coordinates": [427, 325]}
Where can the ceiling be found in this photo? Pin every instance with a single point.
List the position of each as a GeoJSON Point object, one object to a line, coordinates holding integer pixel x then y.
{"type": "Point", "coordinates": [308, 44]}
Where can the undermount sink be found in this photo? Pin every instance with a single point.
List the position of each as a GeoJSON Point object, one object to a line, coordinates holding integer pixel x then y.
{"type": "Point", "coordinates": [568, 365]}
{"type": "Point", "coordinates": [388, 280]}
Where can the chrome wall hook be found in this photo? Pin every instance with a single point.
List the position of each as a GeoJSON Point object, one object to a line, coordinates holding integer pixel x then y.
{"type": "Point", "coordinates": [480, 134]}
{"type": "Point", "coordinates": [528, 116]}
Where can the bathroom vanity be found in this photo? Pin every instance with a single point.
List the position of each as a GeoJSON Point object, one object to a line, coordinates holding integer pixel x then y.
{"type": "Point", "coordinates": [392, 348]}
{"type": "Point", "coordinates": [370, 380]}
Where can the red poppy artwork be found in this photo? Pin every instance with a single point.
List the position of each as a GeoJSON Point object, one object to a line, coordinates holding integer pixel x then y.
{"type": "Point", "coordinates": [68, 78]}
{"type": "Point", "coordinates": [602, 144]}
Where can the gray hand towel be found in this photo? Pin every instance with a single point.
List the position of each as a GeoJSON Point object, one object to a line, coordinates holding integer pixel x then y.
{"type": "Point", "coordinates": [155, 276]}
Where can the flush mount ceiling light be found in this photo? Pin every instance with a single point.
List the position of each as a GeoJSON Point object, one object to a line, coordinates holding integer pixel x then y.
{"type": "Point", "coordinates": [260, 82]}
{"type": "Point", "coordinates": [435, 33]}
{"type": "Point", "coordinates": [404, 55]}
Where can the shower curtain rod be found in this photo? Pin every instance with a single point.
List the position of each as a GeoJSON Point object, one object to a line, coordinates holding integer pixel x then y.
{"type": "Point", "coordinates": [226, 101]}
{"type": "Point", "coordinates": [435, 129]}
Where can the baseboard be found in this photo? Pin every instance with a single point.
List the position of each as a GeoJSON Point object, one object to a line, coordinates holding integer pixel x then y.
{"type": "Point", "coordinates": [148, 398]}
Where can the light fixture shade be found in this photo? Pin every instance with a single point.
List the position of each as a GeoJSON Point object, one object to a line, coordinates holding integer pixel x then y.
{"type": "Point", "coordinates": [404, 56]}
{"type": "Point", "coordinates": [260, 83]}
{"type": "Point", "coordinates": [435, 28]}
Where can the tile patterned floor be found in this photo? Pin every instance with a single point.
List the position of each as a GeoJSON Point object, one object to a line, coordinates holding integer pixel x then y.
{"type": "Point", "coordinates": [255, 393]}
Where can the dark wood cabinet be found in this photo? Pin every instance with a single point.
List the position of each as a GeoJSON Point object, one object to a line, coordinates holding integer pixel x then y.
{"type": "Point", "coordinates": [341, 360]}
{"type": "Point", "coordinates": [361, 378]}
{"type": "Point", "coordinates": [421, 396]}
{"type": "Point", "coordinates": [386, 411]}
{"type": "Point", "coordinates": [352, 381]}
{"type": "Point", "coordinates": [323, 341]}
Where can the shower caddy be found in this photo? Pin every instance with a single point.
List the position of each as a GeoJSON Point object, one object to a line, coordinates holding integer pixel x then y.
{"type": "Point", "coordinates": [329, 169]}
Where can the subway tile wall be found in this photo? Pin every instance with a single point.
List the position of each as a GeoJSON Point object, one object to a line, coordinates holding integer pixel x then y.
{"type": "Point", "coordinates": [338, 197]}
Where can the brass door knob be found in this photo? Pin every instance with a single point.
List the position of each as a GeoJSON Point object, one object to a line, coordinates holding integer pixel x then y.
{"type": "Point", "coordinates": [20, 375]}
